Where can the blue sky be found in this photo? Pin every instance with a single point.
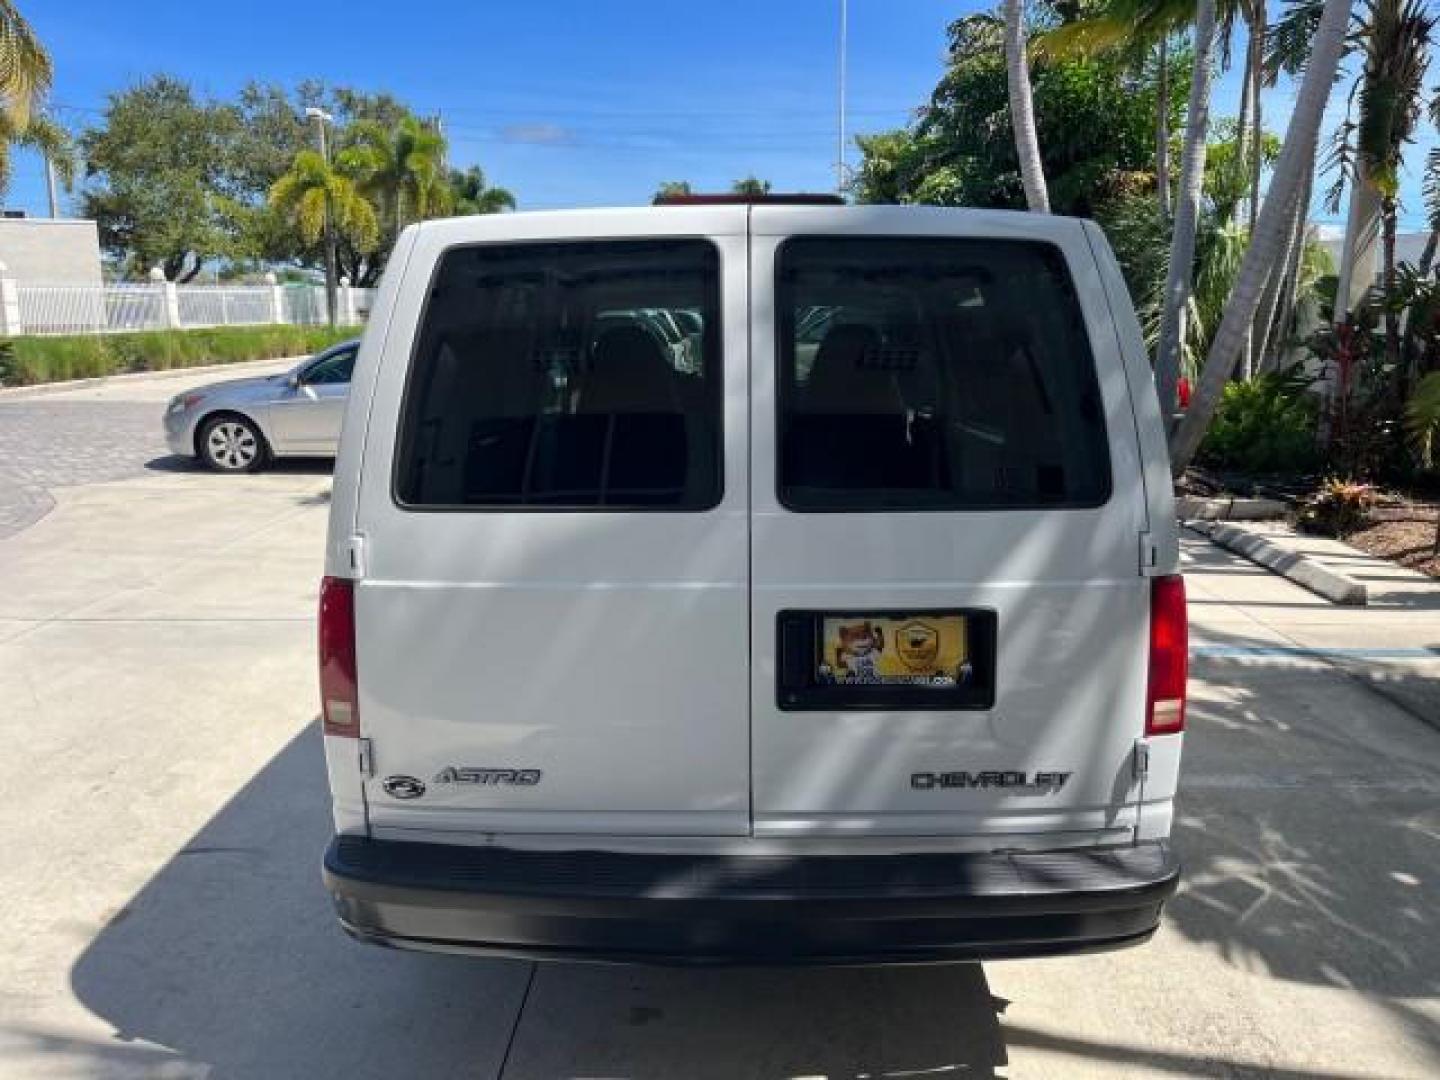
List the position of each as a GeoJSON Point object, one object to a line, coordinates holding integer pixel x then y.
{"type": "Point", "coordinates": [566, 102]}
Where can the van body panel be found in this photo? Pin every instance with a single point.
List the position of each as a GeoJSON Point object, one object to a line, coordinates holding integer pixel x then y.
{"type": "Point", "coordinates": [577, 737]}
{"type": "Point", "coordinates": [350, 456]}
{"type": "Point", "coordinates": [1071, 607]}
{"type": "Point", "coordinates": [1163, 752]}
{"type": "Point", "coordinates": [796, 845]}
{"type": "Point", "coordinates": [587, 647]}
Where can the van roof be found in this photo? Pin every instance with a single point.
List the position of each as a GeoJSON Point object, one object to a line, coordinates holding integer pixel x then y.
{"type": "Point", "coordinates": [733, 199]}
{"type": "Point", "coordinates": [730, 217]}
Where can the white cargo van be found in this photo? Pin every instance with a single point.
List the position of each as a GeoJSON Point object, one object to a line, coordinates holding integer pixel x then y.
{"type": "Point", "coordinates": [752, 581]}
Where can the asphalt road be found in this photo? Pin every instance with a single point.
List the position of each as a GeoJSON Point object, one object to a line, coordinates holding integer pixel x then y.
{"type": "Point", "coordinates": [163, 807]}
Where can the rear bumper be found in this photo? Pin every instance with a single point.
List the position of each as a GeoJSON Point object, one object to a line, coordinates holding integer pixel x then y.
{"type": "Point", "coordinates": [859, 909]}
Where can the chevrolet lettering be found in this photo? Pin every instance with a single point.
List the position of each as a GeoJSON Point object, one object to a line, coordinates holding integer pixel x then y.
{"type": "Point", "coordinates": [1012, 779]}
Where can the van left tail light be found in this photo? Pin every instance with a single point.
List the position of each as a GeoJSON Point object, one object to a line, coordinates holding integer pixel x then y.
{"type": "Point", "coordinates": [1169, 656]}
{"type": "Point", "coordinates": [339, 700]}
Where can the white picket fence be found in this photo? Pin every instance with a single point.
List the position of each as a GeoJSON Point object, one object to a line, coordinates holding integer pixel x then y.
{"type": "Point", "coordinates": [89, 309]}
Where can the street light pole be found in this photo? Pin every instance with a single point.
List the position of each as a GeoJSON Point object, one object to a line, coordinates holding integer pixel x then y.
{"type": "Point", "coordinates": [840, 141]}
{"type": "Point", "coordinates": [50, 187]}
{"type": "Point", "coordinates": [321, 118]}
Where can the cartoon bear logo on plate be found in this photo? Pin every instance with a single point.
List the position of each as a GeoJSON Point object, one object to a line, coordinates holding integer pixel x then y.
{"type": "Point", "coordinates": [859, 651]}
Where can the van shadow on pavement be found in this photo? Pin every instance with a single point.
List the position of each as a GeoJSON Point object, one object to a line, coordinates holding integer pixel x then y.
{"type": "Point", "coordinates": [295, 466]}
{"type": "Point", "coordinates": [228, 963]}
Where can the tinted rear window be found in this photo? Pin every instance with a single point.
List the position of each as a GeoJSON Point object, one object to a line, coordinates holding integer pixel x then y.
{"type": "Point", "coordinates": [935, 374]}
{"type": "Point", "coordinates": [567, 376]}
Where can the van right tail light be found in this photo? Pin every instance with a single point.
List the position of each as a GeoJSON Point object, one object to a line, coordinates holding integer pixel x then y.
{"type": "Point", "coordinates": [339, 700]}
{"type": "Point", "coordinates": [1169, 656]}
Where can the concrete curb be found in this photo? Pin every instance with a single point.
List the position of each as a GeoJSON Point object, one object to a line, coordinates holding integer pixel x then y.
{"type": "Point", "coordinates": [1334, 586]}
{"type": "Point", "coordinates": [1192, 508]}
{"type": "Point", "coordinates": [40, 389]}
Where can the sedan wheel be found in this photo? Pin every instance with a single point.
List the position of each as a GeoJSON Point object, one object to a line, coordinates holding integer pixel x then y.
{"type": "Point", "coordinates": [232, 444]}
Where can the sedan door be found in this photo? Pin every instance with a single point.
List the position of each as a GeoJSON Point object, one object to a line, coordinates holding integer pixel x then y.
{"type": "Point", "coordinates": [306, 417]}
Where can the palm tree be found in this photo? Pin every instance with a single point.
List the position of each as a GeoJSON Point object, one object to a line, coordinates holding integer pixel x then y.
{"type": "Point", "coordinates": [310, 187]}
{"type": "Point", "coordinates": [1022, 109]}
{"type": "Point", "coordinates": [1162, 125]}
{"type": "Point", "coordinates": [25, 76]}
{"type": "Point", "coordinates": [1121, 22]}
{"type": "Point", "coordinates": [1252, 131]}
{"type": "Point", "coordinates": [401, 168]}
{"type": "Point", "coordinates": [25, 68]}
{"type": "Point", "coordinates": [43, 135]}
{"type": "Point", "coordinates": [470, 194]}
{"type": "Point", "coordinates": [1432, 198]}
{"type": "Point", "coordinates": [1179, 275]}
{"type": "Point", "coordinates": [1272, 231]}
{"type": "Point", "coordinates": [1287, 50]}
{"type": "Point", "coordinates": [1396, 36]}
{"type": "Point", "coordinates": [751, 185]}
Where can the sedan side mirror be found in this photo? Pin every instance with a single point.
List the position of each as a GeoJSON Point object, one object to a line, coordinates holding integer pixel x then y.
{"type": "Point", "coordinates": [292, 382]}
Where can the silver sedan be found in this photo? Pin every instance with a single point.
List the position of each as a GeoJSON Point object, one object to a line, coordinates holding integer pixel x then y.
{"type": "Point", "coordinates": [241, 424]}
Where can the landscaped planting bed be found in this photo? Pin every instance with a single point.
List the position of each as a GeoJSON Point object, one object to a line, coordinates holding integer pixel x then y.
{"type": "Point", "coordinates": [25, 361]}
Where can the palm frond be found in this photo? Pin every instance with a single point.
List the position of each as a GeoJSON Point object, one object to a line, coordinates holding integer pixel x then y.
{"type": "Point", "coordinates": [1397, 57]}
{"type": "Point", "coordinates": [1287, 40]}
{"type": "Point", "coordinates": [310, 214]}
{"type": "Point", "coordinates": [45, 136]}
{"type": "Point", "coordinates": [1431, 189]}
{"type": "Point", "coordinates": [1118, 24]}
{"type": "Point", "coordinates": [25, 68]}
{"type": "Point", "coordinates": [1340, 158]}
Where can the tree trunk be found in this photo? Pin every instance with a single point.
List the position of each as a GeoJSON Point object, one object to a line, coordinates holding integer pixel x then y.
{"type": "Point", "coordinates": [1022, 109]}
{"type": "Point", "coordinates": [1270, 230]}
{"type": "Point", "coordinates": [1162, 128]}
{"type": "Point", "coordinates": [1255, 66]}
{"type": "Point", "coordinates": [180, 270]}
{"type": "Point", "coordinates": [1392, 316]}
{"type": "Point", "coordinates": [1283, 321]}
{"type": "Point", "coordinates": [1178, 277]}
{"type": "Point", "coordinates": [1357, 255]}
{"type": "Point", "coordinates": [1242, 125]}
{"type": "Point", "coordinates": [1275, 287]}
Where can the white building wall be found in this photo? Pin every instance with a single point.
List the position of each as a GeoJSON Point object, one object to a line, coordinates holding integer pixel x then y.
{"type": "Point", "coordinates": [1408, 247]}
{"type": "Point", "coordinates": [48, 251]}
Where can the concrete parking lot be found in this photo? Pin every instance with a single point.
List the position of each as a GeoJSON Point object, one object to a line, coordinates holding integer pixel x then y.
{"type": "Point", "coordinates": [163, 808]}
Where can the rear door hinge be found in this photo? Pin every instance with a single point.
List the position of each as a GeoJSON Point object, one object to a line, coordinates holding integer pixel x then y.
{"type": "Point", "coordinates": [1141, 760]}
{"type": "Point", "coordinates": [1149, 556]}
{"type": "Point", "coordinates": [355, 556]}
{"type": "Point", "coordinates": [367, 759]}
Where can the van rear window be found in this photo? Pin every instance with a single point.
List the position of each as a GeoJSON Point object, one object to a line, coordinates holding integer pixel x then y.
{"type": "Point", "coordinates": [566, 376]}
{"type": "Point", "coordinates": [934, 374]}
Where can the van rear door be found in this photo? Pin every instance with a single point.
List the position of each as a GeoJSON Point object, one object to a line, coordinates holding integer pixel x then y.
{"type": "Point", "coordinates": [948, 622]}
{"type": "Point", "coordinates": [552, 621]}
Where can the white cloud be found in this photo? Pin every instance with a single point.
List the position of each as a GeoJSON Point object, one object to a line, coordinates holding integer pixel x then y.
{"type": "Point", "coordinates": [537, 134]}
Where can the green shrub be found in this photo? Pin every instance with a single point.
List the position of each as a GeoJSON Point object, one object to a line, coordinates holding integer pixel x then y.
{"type": "Point", "coordinates": [1338, 508]}
{"type": "Point", "coordinates": [28, 360]}
{"type": "Point", "coordinates": [1265, 425]}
